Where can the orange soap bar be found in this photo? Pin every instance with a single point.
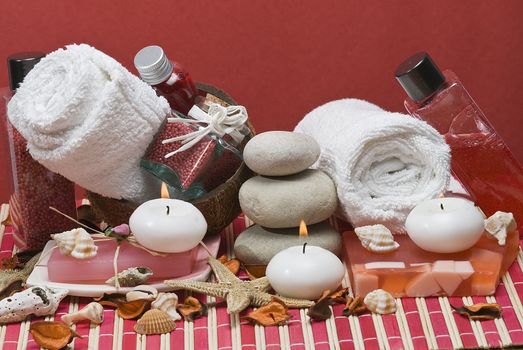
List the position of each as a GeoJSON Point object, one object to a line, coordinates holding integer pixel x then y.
{"type": "Point", "coordinates": [412, 271]}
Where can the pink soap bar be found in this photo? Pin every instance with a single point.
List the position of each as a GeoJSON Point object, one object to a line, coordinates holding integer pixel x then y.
{"type": "Point", "coordinates": [412, 271]}
{"type": "Point", "coordinates": [100, 268]}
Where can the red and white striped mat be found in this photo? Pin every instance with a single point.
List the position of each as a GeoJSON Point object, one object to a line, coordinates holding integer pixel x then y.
{"type": "Point", "coordinates": [419, 323]}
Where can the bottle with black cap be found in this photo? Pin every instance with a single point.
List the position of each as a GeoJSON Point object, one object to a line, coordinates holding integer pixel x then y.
{"type": "Point", "coordinates": [481, 160]}
{"type": "Point", "coordinates": [33, 186]}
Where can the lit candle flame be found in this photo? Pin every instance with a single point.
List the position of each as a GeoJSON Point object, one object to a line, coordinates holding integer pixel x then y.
{"type": "Point", "coordinates": [303, 229]}
{"type": "Point", "coordinates": [164, 191]}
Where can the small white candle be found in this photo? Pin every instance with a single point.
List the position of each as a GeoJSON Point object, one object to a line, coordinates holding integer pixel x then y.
{"type": "Point", "coordinates": [168, 225]}
{"type": "Point", "coordinates": [445, 225]}
{"type": "Point", "coordinates": [301, 273]}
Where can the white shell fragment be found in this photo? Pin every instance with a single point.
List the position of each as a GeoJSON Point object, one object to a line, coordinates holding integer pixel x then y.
{"type": "Point", "coordinates": [499, 225]}
{"type": "Point", "coordinates": [77, 243]}
{"type": "Point", "coordinates": [167, 303]}
{"type": "Point", "coordinates": [142, 292]}
{"type": "Point", "coordinates": [38, 301]}
{"type": "Point", "coordinates": [94, 312]}
{"type": "Point", "coordinates": [131, 277]}
{"type": "Point", "coordinates": [380, 302]}
{"type": "Point", "coordinates": [376, 238]}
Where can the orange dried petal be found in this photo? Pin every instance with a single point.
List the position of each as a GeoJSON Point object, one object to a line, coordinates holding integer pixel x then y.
{"type": "Point", "coordinates": [192, 309]}
{"type": "Point", "coordinates": [51, 334]}
{"type": "Point", "coordinates": [273, 314]}
{"type": "Point", "coordinates": [133, 309]}
{"type": "Point", "coordinates": [255, 271]}
{"type": "Point", "coordinates": [7, 221]}
{"type": "Point", "coordinates": [232, 264]}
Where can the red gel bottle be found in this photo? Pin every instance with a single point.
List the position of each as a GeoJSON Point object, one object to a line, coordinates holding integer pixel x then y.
{"type": "Point", "coordinates": [168, 78]}
{"type": "Point", "coordinates": [480, 159]}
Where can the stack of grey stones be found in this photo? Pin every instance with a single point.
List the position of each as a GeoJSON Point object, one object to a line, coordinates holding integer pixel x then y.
{"type": "Point", "coordinates": [285, 192]}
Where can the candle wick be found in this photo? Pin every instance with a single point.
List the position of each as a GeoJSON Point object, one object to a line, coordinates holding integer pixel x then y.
{"type": "Point", "coordinates": [304, 244]}
{"type": "Point", "coordinates": [168, 209]}
{"type": "Point", "coordinates": [441, 206]}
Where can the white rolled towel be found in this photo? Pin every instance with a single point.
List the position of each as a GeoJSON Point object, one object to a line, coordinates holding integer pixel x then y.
{"type": "Point", "coordinates": [87, 118]}
{"type": "Point", "coordinates": [382, 163]}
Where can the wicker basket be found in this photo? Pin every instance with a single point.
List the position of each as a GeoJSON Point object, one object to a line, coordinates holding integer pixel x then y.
{"type": "Point", "coordinates": [220, 206]}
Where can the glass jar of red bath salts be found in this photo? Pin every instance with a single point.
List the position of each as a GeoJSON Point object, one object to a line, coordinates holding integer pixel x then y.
{"type": "Point", "coordinates": [189, 159]}
{"type": "Point", "coordinates": [168, 78]}
{"type": "Point", "coordinates": [35, 187]}
{"type": "Point", "coordinates": [481, 160]}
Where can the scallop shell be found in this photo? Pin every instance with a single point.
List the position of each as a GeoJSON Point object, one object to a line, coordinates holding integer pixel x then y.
{"type": "Point", "coordinates": [167, 303]}
{"type": "Point", "coordinates": [93, 312]}
{"type": "Point", "coordinates": [376, 238]}
{"type": "Point", "coordinates": [77, 243]}
{"type": "Point", "coordinates": [37, 301]}
{"type": "Point", "coordinates": [154, 322]}
{"type": "Point", "coordinates": [499, 225]}
{"type": "Point", "coordinates": [131, 277]}
{"type": "Point", "coordinates": [142, 292]}
{"type": "Point", "coordinates": [380, 302]}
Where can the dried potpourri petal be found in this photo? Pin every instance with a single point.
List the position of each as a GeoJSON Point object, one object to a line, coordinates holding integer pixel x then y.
{"type": "Point", "coordinates": [354, 306]}
{"type": "Point", "coordinates": [51, 334]}
{"type": "Point", "coordinates": [254, 271]}
{"type": "Point", "coordinates": [321, 310]}
{"type": "Point", "coordinates": [480, 311]}
{"type": "Point", "coordinates": [192, 309]}
{"type": "Point", "coordinates": [339, 296]}
{"type": "Point", "coordinates": [111, 299]}
{"type": "Point", "coordinates": [232, 264]}
{"type": "Point", "coordinates": [276, 313]}
{"type": "Point", "coordinates": [133, 309]}
{"type": "Point", "coordinates": [9, 263]}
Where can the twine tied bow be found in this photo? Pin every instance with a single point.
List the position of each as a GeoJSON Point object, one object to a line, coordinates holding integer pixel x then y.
{"type": "Point", "coordinates": [220, 120]}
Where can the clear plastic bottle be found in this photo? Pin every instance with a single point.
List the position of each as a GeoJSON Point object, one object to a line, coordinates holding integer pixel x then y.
{"type": "Point", "coordinates": [168, 78]}
{"type": "Point", "coordinates": [481, 160]}
{"type": "Point", "coordinates": [35, 187]}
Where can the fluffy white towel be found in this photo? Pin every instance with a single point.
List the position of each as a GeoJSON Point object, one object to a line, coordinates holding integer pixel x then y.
{"type": "Point", "coordinates": [86, 117]}
{"type": "Point", "coordinates": [383, 163]}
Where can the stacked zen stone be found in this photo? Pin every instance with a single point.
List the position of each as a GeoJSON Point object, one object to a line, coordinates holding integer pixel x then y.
{"type": "Point", "coordinates": [284, 193]}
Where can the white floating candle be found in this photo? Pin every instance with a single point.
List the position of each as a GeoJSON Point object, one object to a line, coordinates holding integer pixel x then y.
{"type": "Point", "coordinates": [304, 272]}
{"type": "Point", "coordinates": [168, 225]}
{"type": "Point", "coordinates": [445, 225]}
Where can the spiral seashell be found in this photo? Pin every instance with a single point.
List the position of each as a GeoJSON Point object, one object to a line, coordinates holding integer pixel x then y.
{"type": "Point", "coordinates": [142, 292]}
{"type": "Point", "coordinates": [93, 312]}
{"type": "Point", "coordinates": [131, 277]}
{"type": "Point", "coordinates": [154, 321]}
{"type": "Point", "coordinates": [167, 303]}
{"type": "Point", "coordinates": [376, 238]}
{"type": "Point", "coordinates": [77, 243]}
{"type": "Point", "coordinates": [499, 225]}
{"type": "Point", "coordinates": [38, 301]}
{"type": "Point", "coordinates": [380, 302]}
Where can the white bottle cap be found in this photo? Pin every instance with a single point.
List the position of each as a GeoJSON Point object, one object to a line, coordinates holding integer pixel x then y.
{"type": "Point", "coordinates": [153, 65]}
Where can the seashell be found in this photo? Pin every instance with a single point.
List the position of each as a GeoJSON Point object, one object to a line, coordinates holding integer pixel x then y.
{"type": "Point", "coordinates": [499, 225]}
{"type": "Point", "coordinates": [167, 303]}
{"type": "Point", "coordinates": [37, 301]}
{"type": "Point", "coordinates": [376, 238]}
{"type": "Point", "coordinates": [122, 230]}
{"type": "Point", "coordinates": [131, 277]}
{"type": "Point", "coordinates": [93, 312]}
{"type": "Point", "coordinates": [142, 292]}
{"type": "Point", "coordinates": [380, 302]}
{"type": "Point", "coordinates": [154, 322]}
{"type": "Point", "coordinates": [77, 243]}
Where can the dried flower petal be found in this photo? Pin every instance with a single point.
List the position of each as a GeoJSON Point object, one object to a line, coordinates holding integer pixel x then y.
{"type": "Point", "coordinates": [112, 299]}
{"type": "Point", "coordinates": [133, 309]}
{"type": "Point", "coordinates": [232, 264]}
{"type": "Point", "coordinates": [254, 271]}
{"type": "Point", "coordinates": [7, 221]}
{"type": "Point", "coordinates": [321, 310]}
{"type": "Point", "coordinates": [9, 263]}
{"type": "Point", "coordinates": [192, 309]}
{"type": "Point", "coordinates": [339, 296]}
{"type": "Point", "coordinates": [52, 335]}
{"type": "Point", "coordinates": [480, 311]}
{"type": "Point", "coordinates": [275, 313]}
{"type": "Point", "coordinates": [354, 306]}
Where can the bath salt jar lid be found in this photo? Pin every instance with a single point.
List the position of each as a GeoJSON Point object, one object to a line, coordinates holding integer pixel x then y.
{"type": "Point", "coordinates": [153, 65]}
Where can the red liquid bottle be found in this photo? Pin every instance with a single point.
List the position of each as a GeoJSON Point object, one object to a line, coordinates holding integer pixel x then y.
{"type": "Point", "coordinates": [481, 160]}
{"type": "Point", "coordinates": [168, 78]}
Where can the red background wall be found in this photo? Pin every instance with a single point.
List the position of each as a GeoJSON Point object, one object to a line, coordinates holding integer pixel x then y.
{"type": "Point", "coordinates": [281, 59]}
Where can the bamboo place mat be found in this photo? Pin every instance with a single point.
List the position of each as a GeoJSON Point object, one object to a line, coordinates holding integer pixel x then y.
{"type": "Point", "coordinates": [419, 323]}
